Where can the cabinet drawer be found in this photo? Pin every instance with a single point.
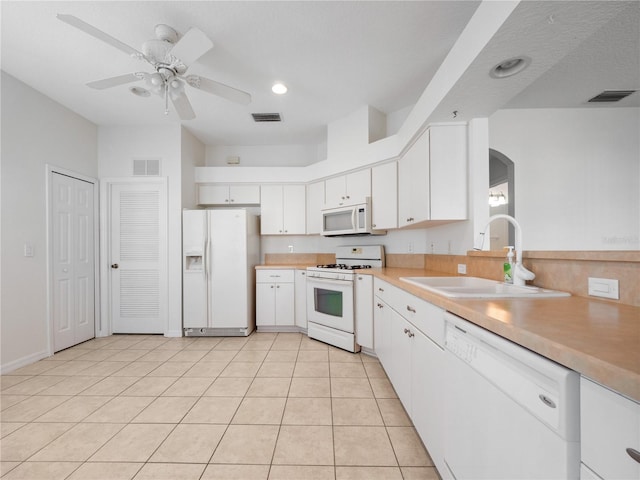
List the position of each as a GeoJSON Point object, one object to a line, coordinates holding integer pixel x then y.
{"type": "Point", "coordinates": [610, 424]}
{"type": "Point", "coordinates": [426, 317]}
{"type": "Point", "coordinates": [275, 276]}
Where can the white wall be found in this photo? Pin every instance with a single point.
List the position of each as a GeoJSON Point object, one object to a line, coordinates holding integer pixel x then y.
{"type": "Point", "coordinates": [193, 153]}
{"type": "Point", "coordinates": [264, 155]}
{"type": "Point", "coordinates": [35, 131]}
{"type": "Point", "coordinates": [117, 147]}
{"type": "Point", "coordinates": [577, 175]}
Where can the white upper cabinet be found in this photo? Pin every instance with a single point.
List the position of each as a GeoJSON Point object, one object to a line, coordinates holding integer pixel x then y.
{"type": "Point", "coordinates": [432, 177]}
{"type": "Point", "coordinates": [228, 195]}
{"type": "Point", "coordinates": [315, 204]}
{"type": "Point", "coordinates": [384, 196]}
{"type": "Point", "coordinates": [448, 165]}
{"type": "Point", "coordinates": [283, 210]}
{"type": "Point", "coordinates": [348, 189]}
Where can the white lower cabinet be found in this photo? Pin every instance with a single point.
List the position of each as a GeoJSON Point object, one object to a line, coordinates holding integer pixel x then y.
{"type": "Point", "coordinates": [275, 298]}
{"type": "Point", "coordinates": [409, 334]}
{"type": "Point", "coordinates": [609, 434]}
{"type": "Point", "coordinates": [364, 310]}
{"type": "Point", "coordinates": [301, 298]}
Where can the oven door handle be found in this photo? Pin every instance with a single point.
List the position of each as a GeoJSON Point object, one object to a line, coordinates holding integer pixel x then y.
{"type": "Point", "coordinates": [327, 281]}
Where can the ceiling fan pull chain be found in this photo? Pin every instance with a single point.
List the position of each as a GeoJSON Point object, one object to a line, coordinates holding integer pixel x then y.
{"type": "Point", "coordinates": [166, 98]}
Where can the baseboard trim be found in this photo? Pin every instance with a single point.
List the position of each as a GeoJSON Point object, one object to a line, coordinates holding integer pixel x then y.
{"type": "Point", "coordinates": [173, 333]}
{"type": "Point", "coordinates": [23, 362]}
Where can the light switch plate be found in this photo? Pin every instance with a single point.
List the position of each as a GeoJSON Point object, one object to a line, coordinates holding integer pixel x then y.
{"type": "Point", "coordinates": [604, 287]}
{"type": "Point", "coordinates": [462, 268]}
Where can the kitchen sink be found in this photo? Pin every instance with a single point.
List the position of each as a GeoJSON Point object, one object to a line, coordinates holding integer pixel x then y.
{"type": "Point", "coordinates": [474, 287]}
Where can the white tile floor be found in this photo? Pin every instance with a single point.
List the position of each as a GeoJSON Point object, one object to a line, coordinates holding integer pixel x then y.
{"type": "Point", "coordinates": [270, 406]}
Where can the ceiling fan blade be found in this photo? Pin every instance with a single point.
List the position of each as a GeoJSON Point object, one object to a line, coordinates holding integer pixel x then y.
{"type": "Point", "coordinates": [220, 89]}
{"type": "Point", "coordinates": [99, 34]}
{"type": "Point", "coordinates": [191, 46]}
{"type": "Point", "coordinates": [183, 106]}
{"type": "Point", "coordinates": [115, 81]}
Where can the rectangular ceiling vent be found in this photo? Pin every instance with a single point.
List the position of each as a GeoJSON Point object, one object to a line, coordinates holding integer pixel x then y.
{"type": "Point", "coordinates": [611, 96]}
{"type": "Point", "coordinates": [146, 167]}
{"type": "Point", "coordinates": [266, 117]}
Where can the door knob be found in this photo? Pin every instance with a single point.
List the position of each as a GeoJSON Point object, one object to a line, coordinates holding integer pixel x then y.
{"type": "Point", "coordinates": [115, 265]}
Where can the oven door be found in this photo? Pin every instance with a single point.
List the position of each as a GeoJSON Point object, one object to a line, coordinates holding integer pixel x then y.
{"type": "Point", "coordinates": [330, 303]}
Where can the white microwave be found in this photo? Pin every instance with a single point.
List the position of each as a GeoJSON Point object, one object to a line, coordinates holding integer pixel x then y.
{"type": "Point", "coordinates": [349, 220]}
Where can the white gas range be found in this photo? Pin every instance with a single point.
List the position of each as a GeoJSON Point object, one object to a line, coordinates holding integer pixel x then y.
{"type": "Point", "coordinates": [330, 295]}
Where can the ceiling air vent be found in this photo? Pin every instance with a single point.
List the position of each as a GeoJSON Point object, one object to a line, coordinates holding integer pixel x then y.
{"type": "Point", "coordinates": [266, 117]}
{"type": "Point", "coordinates": [611, 96]}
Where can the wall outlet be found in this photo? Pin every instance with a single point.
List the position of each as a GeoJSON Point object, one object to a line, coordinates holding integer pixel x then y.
{"type": "Point", "coordinates": [604, 287]}
{"type": "Point", "coordinates": [462, 268]}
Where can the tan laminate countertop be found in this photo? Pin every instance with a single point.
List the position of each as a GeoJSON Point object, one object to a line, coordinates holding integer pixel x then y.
{"type": "Point", "coordinates": [598, 339]}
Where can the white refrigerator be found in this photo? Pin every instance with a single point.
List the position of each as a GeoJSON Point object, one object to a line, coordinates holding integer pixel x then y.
{"type": "Point", "coordinates": [220, 251]}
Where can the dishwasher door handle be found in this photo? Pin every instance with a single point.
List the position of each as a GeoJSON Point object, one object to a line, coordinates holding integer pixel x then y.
{"type": "Point", "coordinates": [547, 401]}
{"type": "Point", "coordinates": [635, 454]}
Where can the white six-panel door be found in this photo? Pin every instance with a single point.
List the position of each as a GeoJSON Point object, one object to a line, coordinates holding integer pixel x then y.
{"type": "Point", "coordinates": [73, 298]}
{"type": "Point", "coordinates": [138, 257]}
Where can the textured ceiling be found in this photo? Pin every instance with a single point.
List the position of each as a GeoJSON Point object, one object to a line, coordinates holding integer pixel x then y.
{"type": "Point", "coordinates": [335, 56]}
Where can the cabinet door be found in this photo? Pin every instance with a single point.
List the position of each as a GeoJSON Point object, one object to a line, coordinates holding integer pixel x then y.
{"type": "Point", "coordinates": [358, 186]}
{"type": "Point", "coordinates": [413, 183]}
{"type": "Point", "coordinates": [285, 304]}
{"type": "Point", "coordinates": [448, 170]}
{"type": "Point", "coordinates": [294, 209]}
{"type": "Point", "coordinates": [271, 215]}
{"type": "Point", "coordinates": [384, 196]}
{"type": "Point", "coordinates": [400, 366]}
{"type": "Point", "coordinates": [335, 191]}
{"type": "Point", "coordinates": [301, 298]}
{"type": "Point", "coordinates": [213, 195]}
{"type": "Point", "coordinates": [364, 310]}
{"type": "Point", "coordinates": [315, 204]}
{"type": "Point", "coordinates": [244, 194]}
{"type": "Point", "coordinates": [427, 399]}
{"type": "Point", "coordinates": [382, 332]}
{"type": "Point", "coordinates": [265, 304]}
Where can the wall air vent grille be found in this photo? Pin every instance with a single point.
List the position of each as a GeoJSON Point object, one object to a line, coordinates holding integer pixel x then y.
{"type": "Point", "coordinates": [611, 96]}
{"type": "Point", "coordinates": [266, 117]}
{"type": "Point", "coordinates": [146, 167]}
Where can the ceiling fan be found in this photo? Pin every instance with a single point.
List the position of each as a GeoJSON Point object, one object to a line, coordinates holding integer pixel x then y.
{"type": "Point", "coordinates": [170, 56]}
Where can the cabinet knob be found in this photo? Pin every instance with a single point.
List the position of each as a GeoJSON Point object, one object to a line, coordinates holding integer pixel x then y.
{"type": "Point", "coordinates": [348, 196]}
{"type": "Point", "coordinates": [232, 200]}
{"type": "Point", "coordinates": [115, 265]}
{"type": "Point", "coordinates": [279, 231]}
{"type": "Point", "coordinates": [374, 225]}
{"type": "Point", "coordinates": [406, 330]}
{"type": "Point", "coordinates": [380, 305]}
{"type": "Point", "coordinates": [286, 231]}
{"type": "Point", "coordinates": [277, 286]}
{"type": "Point", "coordinates": [411, 334]}
{"type": "Point", "coordinates": [381, 289]}
{"type": "Point", "coordinates": [226, 200]}
{"type": "Point", "coordinates": [635, 454]}
{"type": "Point", "coordinates": [411, 309]}
{"type": "Point", "coordinates": [271, 286]}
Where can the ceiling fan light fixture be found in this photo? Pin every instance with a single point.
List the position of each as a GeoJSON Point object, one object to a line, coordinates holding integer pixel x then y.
{"type": "Point", "coordinates": [140, 92]}
{"type": "Point", "coordinates": [279, 88]}
{"type": "Point", "coordinates": [510, 67]}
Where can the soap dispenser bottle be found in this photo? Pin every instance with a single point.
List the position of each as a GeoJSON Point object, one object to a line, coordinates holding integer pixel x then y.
{"type": "Point", "coordinates": [508, 267]}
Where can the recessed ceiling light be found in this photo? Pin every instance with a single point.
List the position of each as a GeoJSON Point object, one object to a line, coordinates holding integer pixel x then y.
{"type": "Point", "coordinates": [279, 89]}
{"type": "Point", "coordinates": [510, 67]}
{"type": "Point", "coordinates": [140, 92]}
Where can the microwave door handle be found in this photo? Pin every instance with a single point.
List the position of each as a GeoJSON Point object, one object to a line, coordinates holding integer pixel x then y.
{"type": "Point", "coordinates": [354, 213]}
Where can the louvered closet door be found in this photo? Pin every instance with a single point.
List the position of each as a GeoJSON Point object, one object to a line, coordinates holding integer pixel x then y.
{"type": "Point", "coordinates": [138, 260]}
{"type": "Point", "coordinates": [73, 302]}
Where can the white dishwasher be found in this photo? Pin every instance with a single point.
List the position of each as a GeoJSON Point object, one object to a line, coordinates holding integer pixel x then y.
{"type": "Point", "coordinates": [510, 413]}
